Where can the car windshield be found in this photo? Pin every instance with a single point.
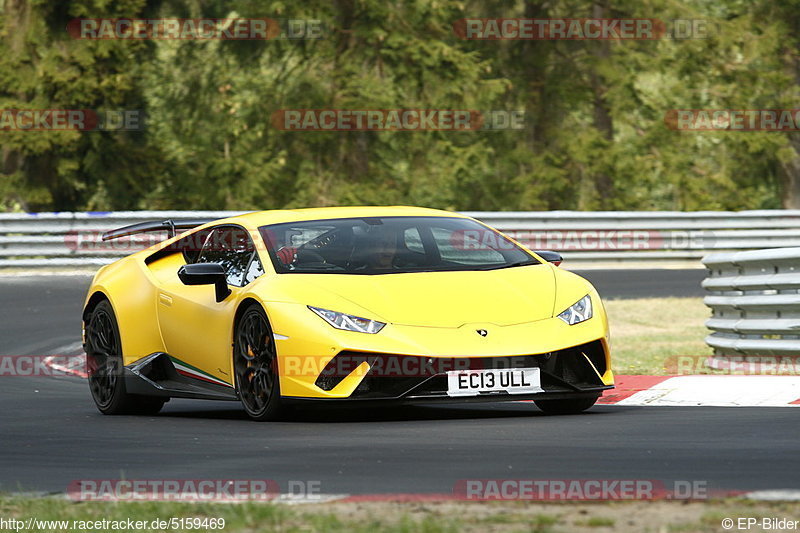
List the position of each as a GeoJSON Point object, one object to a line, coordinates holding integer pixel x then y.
{"type": "Point", "coordinates": [386, 245]}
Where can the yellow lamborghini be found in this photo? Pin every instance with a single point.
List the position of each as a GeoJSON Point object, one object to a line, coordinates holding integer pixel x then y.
{"type": "Point", "coordinates": [359, 305]}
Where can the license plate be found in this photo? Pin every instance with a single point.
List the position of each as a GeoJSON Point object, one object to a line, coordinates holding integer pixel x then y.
{"type": "Point", "coordinates": [510, 380]}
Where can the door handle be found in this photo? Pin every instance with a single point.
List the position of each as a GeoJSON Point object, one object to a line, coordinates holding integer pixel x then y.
{"type": "Point", "coordinates": [165, 299]}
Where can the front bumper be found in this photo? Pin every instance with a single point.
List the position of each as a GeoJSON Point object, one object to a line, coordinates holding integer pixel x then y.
{"type": "Point", "coordinates": [571, 373]}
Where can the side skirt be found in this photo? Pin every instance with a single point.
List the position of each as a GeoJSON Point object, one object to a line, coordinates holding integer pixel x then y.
{"type": "Point", "coordinates": [158, 374]}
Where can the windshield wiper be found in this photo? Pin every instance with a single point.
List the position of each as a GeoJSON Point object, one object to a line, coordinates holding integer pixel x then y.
{"type": "Point", "coordinates": [524, 262]}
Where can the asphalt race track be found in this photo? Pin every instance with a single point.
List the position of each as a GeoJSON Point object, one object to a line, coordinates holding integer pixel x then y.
{"type": "Point", "coordinates": [52, 434]}
{"type": "Point", "coordinates": [646, 283]}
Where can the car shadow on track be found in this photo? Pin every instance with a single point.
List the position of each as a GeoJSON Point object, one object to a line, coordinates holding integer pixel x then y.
{"type": "Point", "coordinates": [327, 414]}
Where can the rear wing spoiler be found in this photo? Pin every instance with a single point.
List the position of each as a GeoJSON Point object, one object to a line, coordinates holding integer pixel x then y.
{"type": "Point", "coordinates": [169, 225]}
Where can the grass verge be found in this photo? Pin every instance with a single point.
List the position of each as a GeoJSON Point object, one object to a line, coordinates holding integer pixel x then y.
{"type": "Point", "coordinates": [646, 332]}
{"type": "Point", "coordinates": [377, 517]}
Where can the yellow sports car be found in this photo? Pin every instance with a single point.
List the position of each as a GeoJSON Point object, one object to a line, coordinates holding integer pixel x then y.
{"type": "Point", "coordinates": [358, 305]}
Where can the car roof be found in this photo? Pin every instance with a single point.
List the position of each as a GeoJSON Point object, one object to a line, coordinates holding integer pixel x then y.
{"type": "Point", "coordinates": [262, 218]}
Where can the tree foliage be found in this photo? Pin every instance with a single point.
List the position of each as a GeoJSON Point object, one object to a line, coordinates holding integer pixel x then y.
{"type": "Point", "coordinates": [594, 134]}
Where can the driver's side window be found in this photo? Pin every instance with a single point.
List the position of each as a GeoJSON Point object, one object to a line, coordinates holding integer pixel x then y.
{"type": "Point", "coordinates": [232, 248]}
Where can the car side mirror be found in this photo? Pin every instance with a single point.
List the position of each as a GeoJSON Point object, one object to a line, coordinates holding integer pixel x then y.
{"type": "Point", "coordinates": [206, 274]}
{"type": "Point", "coordinates": [550, 256]}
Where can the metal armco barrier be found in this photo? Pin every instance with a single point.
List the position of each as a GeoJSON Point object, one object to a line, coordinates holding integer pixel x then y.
{"type": "Point", "coordinates": [755, 299]}
{"type": "Point", "coordinates": [72, 239]}
{"type": "Point", "coordinates": [44, 240]}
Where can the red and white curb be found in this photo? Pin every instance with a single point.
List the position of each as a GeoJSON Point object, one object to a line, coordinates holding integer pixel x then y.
{"type": "Point", "coordinates": [705, 390]}
{"type": "Point", "coordinates": [291, 499]}
{"type": "Point", "coordinates": [74, 366]}
{"type": "Point", "coordinates": [695, 390]}
{"type": "Point", "coordinates": [775, 495]}
{"type": "Point", "coordinates": [778, 495]}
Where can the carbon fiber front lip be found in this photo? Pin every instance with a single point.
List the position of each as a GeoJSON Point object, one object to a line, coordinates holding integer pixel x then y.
{"type": "Point", "coordinates": [444, 398]}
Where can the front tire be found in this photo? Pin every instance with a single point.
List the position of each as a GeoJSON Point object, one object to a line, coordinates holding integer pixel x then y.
{"type": "Point", "coordinates": [105, 369]}
{"type": "Point", "coordinates": [255, 363]}
{"type": "Point", "coordinates": [570, 406]}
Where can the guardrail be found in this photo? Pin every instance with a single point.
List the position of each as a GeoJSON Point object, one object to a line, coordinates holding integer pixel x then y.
{"type": "Point", "coordinates": [755, 299]}
{"type": "Point", "coordinates": [72, 239]}
{"type": "Point", "coordinates": [43, 240]}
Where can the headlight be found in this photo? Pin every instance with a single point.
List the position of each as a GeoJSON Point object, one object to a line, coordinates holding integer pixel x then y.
{"type": "Point", "coordinates": [348, 322]}
{"type": "Point", "coordinates": [578, 312]}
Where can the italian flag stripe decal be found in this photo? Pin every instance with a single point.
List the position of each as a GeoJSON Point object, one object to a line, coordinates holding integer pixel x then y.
{"type": "Point", "coordinates": [185, 369]}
